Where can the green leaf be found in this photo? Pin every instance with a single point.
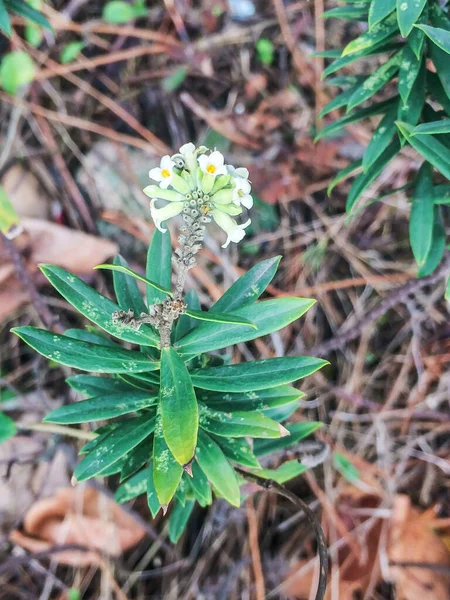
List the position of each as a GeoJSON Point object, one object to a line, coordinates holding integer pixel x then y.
{"type": "Point", "coordinates": [96, 307]}
{"type": "Point", "coordinates": [416, 38]}
{"type": "Point", "coordinates": [101, 407]}
{"type": "Point", "coordinates": [114, 446]}
{"type": "Point", "coordinates": [203, 315]}
{"type": "Point", "coordinates": [437, 246]}
{"type": "Point", "coordinates": [298, 431]}
{"type": "Point", "coordinates": [409, 70]}
{"type": "Point", "coordinates": [135, 486]}
{"type": "Point", "coordinates": [436, 88]}
{"type": "Point", "coordinates": [142, 381]}
{"type": "Point", "coordinates": [185, 324]}
{"type": "Point", "coordinates": [282, 413]}
{"type": "Point", "coordinates": [376, 81]}
{"type": "Point", "coordinates": [33, 34]}
{"type": "Point", "coordinates": [287, 471]}
{"type": "Point", "coordinates": [217, 469]}
{"type": "Point", "coordinates": [167, 471]}
{"type": "Point", "coordinates": [411, 110]}
{"type": "Point", "coordinates": [126, 289]}
{"type": "Point", "coordinates": [339, 100]}
{"type": "Point", "coordinates": [422, 215]}
{"type": "Point", "coordinates": [118, 12]}
{"type": "Point", "coordinates": [137, 458]}
{"type": "Point", "coordinates": [17, 69]}
{"type": "Point", "coordinates": [442, 194]}
{"type": "Point", "coordinates": [439, 36]}
{"type": "Point", "coordinates": [344, 60]}
{"type": "Point", "coordinates": [9, 219]}
{"type": "Point", "coordinates": [240, 424]}
{"type": "Point", "coordinates": [349, 13]}
{"type": "Point", "coordinates": [237, 450]}
{"type": "Point", "coordinates": [345, 467]}
{"type": "Point", "coordinates": [178, 520]}
{"type": "Point", "coordinates": [367, 177]}
{"type": "Point", "coordinates": [178, 405]}
{"type": "Point", "coordinates": [199, 485]}
{"type": "Point", "coordinates": [447, 290]}
{"type": "Point", "coordinates": [408, 12]}
{"type": "Point", "coordinates": [378, 33]}
{"type": "Point", "coordinates": [257, 374]}
{"type": "Point", "coordinates": [254, 400]}
{"type": "Point", "coordinates": [91, 385]}
{"type": "Point", "coordinates": [173, 81]}
{"type": "Point", "coordinates": [344, 174]}
{"type": "Point", "coordinates": [123, 269]}
{"type": "Point", "coordinates": [381, 138]}
{"type": "Point", "coordinates": [379, 10]}
{"type": "Point", "coordinates": [84, 356]}
{"type": "Point", "coordinates": [357, 115]}
{"type": "Point", "coordinates": [435, 127]}
{"type": "Point", "coordinates": [25, 10]}
{"type": "Point", "coordinates": [268, 316]}
{"type": "Point", "coordinates": [159, 266]}
{"type": "Point", "coordinates": [248, 288]}
{"type": "Point", "coordinates": [426, 145]}
{"type": "Point", "coordinates": [8, 428]}
{"type": "Point", "coordinates": [152, 496]}
{"type": "Point", "coordinates": [90, 337]}
{"type": "Point", "coordinates": [265, 51]}
{"type": "Point", "coordinates": [71, 51]}
{"type": "Point", "coordinates": [5, 23]}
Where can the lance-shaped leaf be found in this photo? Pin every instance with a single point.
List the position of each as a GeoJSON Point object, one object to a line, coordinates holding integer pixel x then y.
{"type": "Point", "coordinates": [159, 266]}
{"type": "Point", "coordinates": [132, 488]}
{"type": "Point", "coordinates": [128, 271]}
{"type": "Point", "coordinates": [240, 424]}
{"type": "Point", "coordinates": [345, 173]}
{"type": "Point", "coordinates": [298, 431]}
{"type": "Point", "coordinates": [142, 381]}
{"type": "Point", "coordinates": [408, 72]}
{"type": "Point", "coordinates": [379, 33]}
{"type": "Point", "coordinates": [248, 288]}
{"type": "Point", "coordinates": [254, 400]}
{"type": "Point", "coordinates": [287, 471]}
{"type": "Point", "coordinates": [92, 385]}
{"type": "Point", "coordinates": [114, 446]}
{"type": "Point", "coordinates": [178, 520]}
{"type": "Point", "coordinates": [217, 469]}
{"type": "Point", "coordinates": [437, 249]}
{"type": "Point", "coordinates": [28, 12]}
{"type": "Point", "coordinates": [237, 450]}
{"type": "Point", "coordinates": [152, 496]}
{"type": "Point", "coordinates": [433, 128]}
{"type": "Point", "coordinates": [178, 406]}
{"type": "Point", "coordinates": [5, 23]}
{"type": "Point", "coordinates": [381, 138]}
{"type": "Point", "coordinates": [439, 36]}
{"type": "Point", "coordinates": [95, 307]}
{"type": "Point", "coordinates": [268, 316]}
{"type": "Point", "coordinates": [166, 471]}
{"type": "Point", "coordinates": [379, 10]}
{"type": "Point", "coordinates": [126, 289]}
{"type": "Point", "coordinates": [82, 355]}
{"type": "Point", "coordinates": [429, 147]}
{"type": "Point", "coordinates": [340, 100]}
{"type": "Point", "coordinates": [348, 13]}
{"type": "Point", "coordinates": [185, 324]}
{"type": "Point", "coordinates": [256, 375]}
{"type": "Point", "coordinates": [91, 337]}
{"type": "Point", "coordinates": [202, 315]}
{"type": "Point", "coordinates": [137, 458]}
{"type": "Point", "coordinates": [411, 110]}
{"type": "Point", "coordinates": [422, 215]}
{"type": "Point", "coordinates": [101, 407]}
{"type": "Point", "coordinates": [199, 485]}
{"type": "Point", "coordinates": [408, 12]}
{"type": "Point", "coordinates": [282, 413]}
{"type": "Point", "coordinates": [343, 61]}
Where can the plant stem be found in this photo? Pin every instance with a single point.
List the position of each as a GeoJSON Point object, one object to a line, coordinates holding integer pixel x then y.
{"type": "Point", "coordinates": [58, 429]}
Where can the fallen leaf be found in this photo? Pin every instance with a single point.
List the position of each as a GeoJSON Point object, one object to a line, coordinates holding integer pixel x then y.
{"type": "Point", "coordinates": [25, 193]}
{"type": "Point", "coordinates": [82, 516]}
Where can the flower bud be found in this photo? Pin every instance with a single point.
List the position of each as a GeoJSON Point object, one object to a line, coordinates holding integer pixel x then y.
{"type": "Point", "coordinates": [154, 191]}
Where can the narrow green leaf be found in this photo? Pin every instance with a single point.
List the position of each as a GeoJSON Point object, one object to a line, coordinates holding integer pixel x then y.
{"type": "Point", "coordinates": [378, 33]}
{"type": "Point", "coordinates": [114, 446]}
{"type": "Point", "coordinates": [254, 400]}
{"type": "Point", "coordinates": [442, 193]}
{"type": "Point", "coordinates": [408, 72]}
{"type": "Point", "coordinates": [435, 127]}
{"type": "Point", "coordinates": [439, 57]}
{"type": "Point", "coordinates": [199, 485]}
{"type": "Point", "coordinates": [348, 13]}
{"type": "Point", "coordinates": [436, 88]}
{"type": "Point", "coordinates": [203, 315]}
{"type": "Point", "coordinates": [379, 10]}
{"type": "Point", "coordinates": [152, 496]}
{"type": "Point", "coordinates": [126, 289]}
{"type": "Point", "coordinates": [123, 269]}
{"type": "Point", "coordinates": [91, 337]}
{"type": "Point", "coordinates": [71, 51]}
{"type": "Point", "coordinates": [429, 147]}
{"type": "Point", "coordinates": [92, 385]}
{"type": "Point", "coordinates": [167, 471]}
{"type": "Point", "coordinates": [84, 356]}
{"type": "Point", "coordinates": [101, 408]}
{"type": "Point", "coordinates": [143, 381]}
{"type": "Point", "coordinates": [256, 375]}
{"type": "Point", "coordinates": [178, 405]}
{"type": "Point", "coordinates": [345, 467]}
{"type": "Point", "coordinates": [217, 469]}
{"type": "Point", "coordinates": [237, 450]}
{"type": "Point", "coordinates": [96, 307]}
{"type": "Point", "coordinates": [344, 174]}
{"type": "Point", "coordinates": [340, 100]}
{"type": "Point", "coordinates": [381, 138]}
{"type": "Point", "coordinates": [137, 458]}
{"type": "Point", "coordinates": [286, 472]}
{"type": "Point", "coordinates": [282, 413]}
{"type": "Point", "coordinates": [185, 324]}
{"type": "Point", "coordinates": [178, 520]}
{"type": "Point", "coordinates": [159, 266]}
{"type": "Point", "coordinates": [132, 488]}
{"type": "Point", "coordinates": [422, 215]}
{"type": "Point", "coordinates": [408, 12]}
{"type": "Point", "coordinates": [8, 428]}
{"type": "Point", "coordinates": [416, 38]}
{"type": "Point", "coordinates": [5, 23]}
{"type": "Point", "coordinates": [240, 424]}
{"type": "Point", "coordinates": [298, 431]}
{"type": "Point", "coordinates": [268, 316]}
{"type": "Point", "coordinates": [439, 36]}
{"type": "Point", "coordinates": [248, 288]}
{"type": "Point", "coordinates": [411, 110]}
{"type": "Point", "coordinates": [344, 60]}
{"type": "Point", "coordinates": [25, 10]}
{"type": "Point", "coordinates": [437, 246]}
{"type": "Point", "coordinates": [365, 179]}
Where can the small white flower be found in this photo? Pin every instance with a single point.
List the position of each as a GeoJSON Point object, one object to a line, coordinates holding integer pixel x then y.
{"type": "Point", "coordinates": [239, 172]}
{"type": "Point", "coordinates": [214, 164]}
{"type": "Point", "coordinates": [187, 148]}
{"type": "Point", "coordinates": [166, 212]}
{"type": "Point", "coordinates": [164, 173]}
{"type": "Point", "coordinates": [235, 233]}
{"type": "Point", "coordinates": [241, 192]}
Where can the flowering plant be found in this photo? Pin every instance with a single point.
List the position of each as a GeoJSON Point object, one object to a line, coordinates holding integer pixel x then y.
{"type": "Point", "coordinates": [173, 417]}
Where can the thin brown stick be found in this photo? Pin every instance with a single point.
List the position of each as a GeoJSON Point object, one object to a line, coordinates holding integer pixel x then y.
{"type": "Point", "coordinates": [254, 550]}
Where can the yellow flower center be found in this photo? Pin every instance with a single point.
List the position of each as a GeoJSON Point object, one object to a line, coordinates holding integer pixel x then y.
{"type": "Point", "coordinates": [165, 173]}
{"type": "Point", "coordinates": [211, 169]}
{"type": "Point", "coordinates": [205, 209]}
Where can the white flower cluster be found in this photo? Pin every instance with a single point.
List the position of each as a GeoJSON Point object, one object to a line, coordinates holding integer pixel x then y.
{"type": "Point", "coordinates": [198, 183]}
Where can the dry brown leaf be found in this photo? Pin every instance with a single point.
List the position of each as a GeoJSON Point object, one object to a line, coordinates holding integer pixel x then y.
{"type": "Point", "coordinates": [82, 516]}
{"type": "Point", "coordinates": [412, 539]}
{"type": "Point", "coordinates": [25, 193]}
